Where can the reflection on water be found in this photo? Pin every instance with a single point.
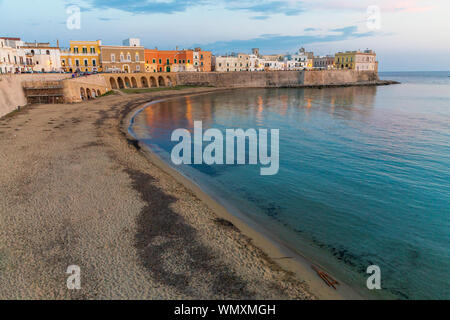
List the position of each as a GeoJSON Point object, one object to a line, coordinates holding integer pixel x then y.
{"type": "Point", "coordinates": [363, 175]}
{"type": "Point", "coordinates": [358, 100]}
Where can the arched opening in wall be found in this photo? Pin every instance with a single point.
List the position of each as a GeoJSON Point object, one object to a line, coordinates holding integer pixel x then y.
{"type": "Point", "coordinates": [153, 82]}
{"type": "Point", "coordinates": [169, 82]}
{"type": "Point", "coordinates": [113, 83]}
{"type": "Point", "coordinates": [120, 82]}
{"type": "Point", "coordinates": [99, 93]}
{"type": "Point", "coordinates": [161, 82]}
{"type": "Point", "coordinates": [134, 82]}
{"type": "Point", "coordinates": [94, 93]}
{"type": "Point", "coordinates": [144, 82]}
{"type": "Point", "coordinates": [127, 82]}
{"type": "Point", "coordinates": [82, 94]}
{"type": "Point", "coordinates": [88, 93]}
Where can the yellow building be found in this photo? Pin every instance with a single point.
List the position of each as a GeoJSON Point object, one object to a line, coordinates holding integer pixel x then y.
{"type": "Point", "coordinates": [83, 56]}
{"type": "Point", "coordinates": [356, 60]}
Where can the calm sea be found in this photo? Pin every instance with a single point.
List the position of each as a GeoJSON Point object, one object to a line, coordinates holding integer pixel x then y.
{"type": "Point", "coordinates": [364, 174]}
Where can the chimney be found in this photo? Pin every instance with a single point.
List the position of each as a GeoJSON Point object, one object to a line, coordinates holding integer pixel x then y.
{"type": "Point", "coordinates": [57, 43]}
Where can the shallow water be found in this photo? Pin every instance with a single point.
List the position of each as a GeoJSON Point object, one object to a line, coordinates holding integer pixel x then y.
{"type": "Point", "coordinates": [364, 174]}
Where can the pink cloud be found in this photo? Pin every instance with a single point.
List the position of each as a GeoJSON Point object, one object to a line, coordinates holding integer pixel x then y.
{"type": "Point", "coordinates": [385, 5]}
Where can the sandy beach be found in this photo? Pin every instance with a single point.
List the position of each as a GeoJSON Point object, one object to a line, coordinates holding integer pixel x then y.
{"type": "Point", "coordinates": [77, 190]}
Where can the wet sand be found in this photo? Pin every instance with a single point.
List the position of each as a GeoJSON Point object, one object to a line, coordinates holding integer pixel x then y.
{"type": "Point", "coordinates": [76, 190]}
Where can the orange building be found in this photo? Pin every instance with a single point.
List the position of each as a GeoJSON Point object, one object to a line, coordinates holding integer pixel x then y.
{"type": "Point", "coordinates": [177, 60]}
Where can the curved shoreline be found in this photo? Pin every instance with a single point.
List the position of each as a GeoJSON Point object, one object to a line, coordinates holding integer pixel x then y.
{"type": "Point", "coordinates": [286, 257]}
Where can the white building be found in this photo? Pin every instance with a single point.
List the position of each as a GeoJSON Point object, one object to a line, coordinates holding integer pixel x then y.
{"type": "Point", "coordinates": [302, 60]}
{"type": "Point", "coordinates": [131, 42]}
{"type": "Point", "coordinates": [227, 64]}
{"type": "Point", "coordinates": [45, 58]}
{"type": "Point", "coordinates": [255, 63]}
{"type": "Point", "coordinates": [366, 60]}
{"type": "Point", "coordinates": [271, 65]}
{"type": "Point", "coordinates": [239, 62]}
{"type": "Point", "coordinates": [12, 56]}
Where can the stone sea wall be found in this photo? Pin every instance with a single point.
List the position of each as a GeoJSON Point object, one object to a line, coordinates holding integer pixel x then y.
{"type": "Point", "coordinates": [12, 94]}
{"type": "Point", "coordinates": [276, 78]}
{"type": "Point", "coordinates": [11, 89]}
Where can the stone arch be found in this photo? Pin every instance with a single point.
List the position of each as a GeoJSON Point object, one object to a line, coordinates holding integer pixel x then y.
{"type": "Point", "coordinates": [88, 93]}
{"type": "Point", "coordinates": [127, 82]}
{"type": "Point", "coordinates": [153, 82]}
{"type": "Point", "coordinates": [113, 83]}
{"type": "Point", "coordinates": [120, 82]}
{"type": "Point", "coordinates": [99, 93]}
{"type": "Point", "coordinates": [161, 81]}
{"type": "Point", "coordinates": [82, 94]}
{"type": "Point", "coordinates": [134, 82]}
{"type": "Point", "coordinates": [169, 82]}
{"type": "Point", "coordinates": [144, 82]}
{"type": "Point", "coordinates": [94, 93]}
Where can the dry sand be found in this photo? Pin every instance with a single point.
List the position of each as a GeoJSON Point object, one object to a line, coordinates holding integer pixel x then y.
{"type": "Point", "coordinates": [75, 191]}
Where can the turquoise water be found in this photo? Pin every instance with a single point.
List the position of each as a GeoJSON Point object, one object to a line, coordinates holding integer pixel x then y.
{"type": "Point", "coordinates": [364, 174]}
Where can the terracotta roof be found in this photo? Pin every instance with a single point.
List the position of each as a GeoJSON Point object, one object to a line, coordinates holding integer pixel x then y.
{"type": "Point", "coordinates": [9, 38]}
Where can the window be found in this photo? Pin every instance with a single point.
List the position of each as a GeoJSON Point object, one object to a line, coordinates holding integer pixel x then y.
{"type": "Point", "coordinates": [189, 60]}
{"type": "Point", "coordinates": [201, 56]}
{"type": "Point", "coordinates": [77, 62]}
{"type": "Point", "coordinates": [138, 68]}
{"type": "Point", "coordinates": [94, 62]}
{"type": "Point", "coordinates": [174, 60]}
{"type": "Point", "coordinates": [92, 50]}
{"type": "Point", "coordinates": [128, 57]}
{"type": "Point", "coordinates": [154, 60]}
{"type": "Point", "coordinates": [85, 50]}
{"type": "Point", "coordinates": [160, 61]}
{"type": "Point", "coordinates": [75, 50]}
{"type": "Point", "coordinates": [121, 57]}
{"type": "Point", "coordinates": [86, 63]}
{"type": "Point", "coordinates": [137, 57]}
{"type": "Point", "coordinates": [47, 52]}
{"type": "Point", "coordinates": [168, 61]}
{"type": "Point", "coordinates": [113, 57]}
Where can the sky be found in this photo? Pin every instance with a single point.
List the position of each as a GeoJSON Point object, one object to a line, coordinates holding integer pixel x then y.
{"type": "Point", "coordinates": [407, 35]}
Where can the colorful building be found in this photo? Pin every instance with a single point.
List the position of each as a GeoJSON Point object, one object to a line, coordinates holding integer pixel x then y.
{"type": "Point", "coordinates": [356, 60]}
{"type": "Point", "coordinates": [127, 58]}
{"type": "Point", "coordinates": [82, 56]}
{"type": "Point", "coordinates": [324, 63]}
{"type": "Point", "coordinates": [177, 60]}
